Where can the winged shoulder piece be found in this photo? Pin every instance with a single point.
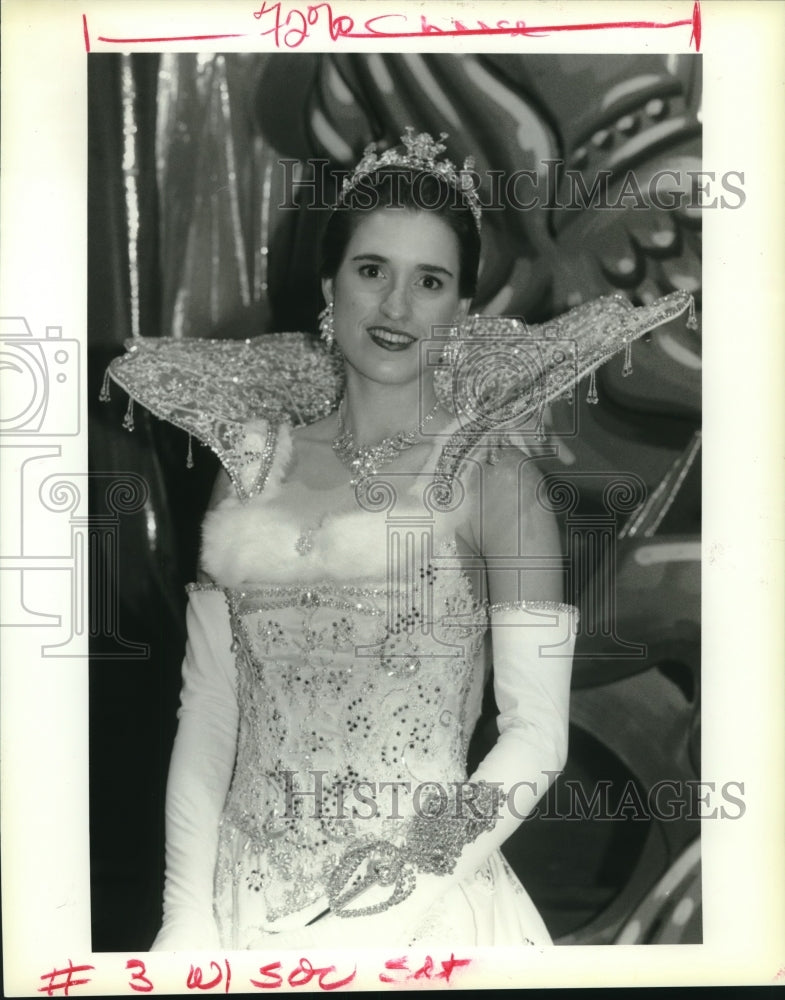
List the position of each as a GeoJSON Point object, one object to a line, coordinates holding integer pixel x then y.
{"type": "Point", "coordinates": [214, 389]}
{"type": "Point", "coordinates": [505, 373]}
{"type": "Point", "coordinates": [501, 374]}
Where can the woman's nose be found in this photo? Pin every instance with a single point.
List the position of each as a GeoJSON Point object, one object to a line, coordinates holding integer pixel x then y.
{"type": "Point", "coordinates": [395, 303]}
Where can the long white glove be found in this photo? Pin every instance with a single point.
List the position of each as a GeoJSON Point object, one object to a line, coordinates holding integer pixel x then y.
{"type": "Point", "coordinates": [199, 775]}
{"type": "Point", "coordinates": [532, 662]}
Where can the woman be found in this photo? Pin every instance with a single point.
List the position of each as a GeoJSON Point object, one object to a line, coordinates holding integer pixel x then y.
{"type": "Point", "coordinates": [360, 573]}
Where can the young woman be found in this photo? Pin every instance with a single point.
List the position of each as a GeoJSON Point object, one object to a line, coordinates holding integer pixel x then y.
{"type": "Point", "coordinates": [362, 573]}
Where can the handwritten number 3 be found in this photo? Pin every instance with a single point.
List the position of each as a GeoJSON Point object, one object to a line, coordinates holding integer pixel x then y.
{"type": "Point", "coordinates": [139, 980]}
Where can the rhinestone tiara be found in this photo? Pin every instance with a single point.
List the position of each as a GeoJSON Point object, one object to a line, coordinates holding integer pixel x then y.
{"type": "Point", "coordinates": [421, 152]}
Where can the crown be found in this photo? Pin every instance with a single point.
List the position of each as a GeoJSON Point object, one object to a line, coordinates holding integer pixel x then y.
{"type": "Point", "coordinates": [421, 153]}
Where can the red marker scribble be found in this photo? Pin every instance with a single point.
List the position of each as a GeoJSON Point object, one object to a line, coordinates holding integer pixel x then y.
{"type": "Point", "coordinates": [138, 980]}
{"type": "Point", "coordinates": [401, 965]}
{"type": "Point", "coordinates": [86, 33]}
{"type": "Point", "coordinates": [696, 26]}
{"type": "Point", "coordinates": [196, 979]}
{"type": "Point", "coordinates": [274, 978]}
{"type": "Point", "coordinates": [425, 970]}
{"type": "Point", "coordinates": [451, 964]}
{"type": "Point", "coordinates": [172, 38]}
{"type": "Point", "coordinates": [68, 982]}
{"type": "Point", "coordinates": [305, 972]}
{"type": "Point", "coordinates": [301, 976]}
{"type": "Point", "coordinates": [394, 965]}
{"type": "Point", "coordinates": [291, 30]}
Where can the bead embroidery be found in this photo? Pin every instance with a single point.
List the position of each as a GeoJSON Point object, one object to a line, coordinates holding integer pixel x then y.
{"type": "Point", "coordinates": [304, 542]}
{"type": "Point", "coordinates": [557, 606]}
{"type": "Point", "coordinates": [414, 700]}
{"type": "Point", "coordinates": [436, 836]}
{"type": "Point", "coordinates": [214, 388]}
{"type": "Point", "coordinates": [359, 685]}
{"type": "Point", "coordinates": [325, 678]}
{"type": "Point", "coordinates": [266, 459]}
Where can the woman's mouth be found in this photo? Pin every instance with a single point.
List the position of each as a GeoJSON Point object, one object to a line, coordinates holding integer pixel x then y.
{"type": "Point", "coordinates": [390, 340]}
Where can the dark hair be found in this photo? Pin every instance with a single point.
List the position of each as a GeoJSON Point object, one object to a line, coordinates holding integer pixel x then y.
{"type": "Point", "coordinates": [417, 191]}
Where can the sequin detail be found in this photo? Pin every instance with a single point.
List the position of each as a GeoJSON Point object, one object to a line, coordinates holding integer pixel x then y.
{"type": "Point", "coordinates": [541, 363]}
{"type": "Point", "coordinates": [266, 459]}
{"type": "Point", "coordinates": [351, 696]}
{"type": "Point", "coordinates": [336, 699]}
{"type": "Point", "coordinates": [212, 388]}
{"type": "Point", "coordinates": [556, 606]}
{"type": "Point", "coordinates": [441, 827]}
{"type": "Point", "coordinates": [196, 586]}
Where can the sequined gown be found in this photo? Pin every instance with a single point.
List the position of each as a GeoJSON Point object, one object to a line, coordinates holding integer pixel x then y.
{"type": "Point", "coordinates": [310, 658]}
{"type": "Point", "coordinates": [355, 687]}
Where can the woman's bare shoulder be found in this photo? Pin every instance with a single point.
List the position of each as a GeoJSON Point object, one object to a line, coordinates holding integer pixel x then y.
{"type": "Point", "coordinates": [506, 505]}
{"type": "Point", "coordinates": [320, 431]}
{"type": "Point", "coordinates": [518, 523]}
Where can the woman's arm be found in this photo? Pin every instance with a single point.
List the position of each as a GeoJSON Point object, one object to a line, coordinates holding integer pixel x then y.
{"type": "Point", "coordinates": [509, 519]}
{"type": "Point", "coordinates": [532, 631]}
{"type": "Point", "coordinates": [200, 771]}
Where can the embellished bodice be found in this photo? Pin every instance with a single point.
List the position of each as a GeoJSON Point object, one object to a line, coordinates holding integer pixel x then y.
{"type": "Point", "coordinates": [360, 654]}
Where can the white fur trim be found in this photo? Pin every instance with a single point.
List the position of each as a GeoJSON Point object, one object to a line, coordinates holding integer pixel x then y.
{"type": "Point", "coordinates": [256, 541]}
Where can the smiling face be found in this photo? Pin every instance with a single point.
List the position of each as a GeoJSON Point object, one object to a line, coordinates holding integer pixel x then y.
{"type": "Point", "coordinates": [399, 278]}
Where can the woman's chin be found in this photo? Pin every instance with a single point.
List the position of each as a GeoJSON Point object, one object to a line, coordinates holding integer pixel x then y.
{"type": "Point", "coordinates": [387, 367]}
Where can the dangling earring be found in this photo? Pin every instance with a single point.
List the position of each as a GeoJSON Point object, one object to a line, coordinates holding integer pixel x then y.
{"type": "Point", "coordinates": [326, 325]}
{"type": "Point", "coordinates": [452, 346]}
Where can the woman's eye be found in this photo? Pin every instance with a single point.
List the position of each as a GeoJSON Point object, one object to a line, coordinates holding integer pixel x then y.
{"type": "Point", "coordinates": [431, 281]}
{"type": "Point", "coordinates": [371, 270]}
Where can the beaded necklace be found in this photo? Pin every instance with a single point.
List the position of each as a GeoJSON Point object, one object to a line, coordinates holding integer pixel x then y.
{"type": "Point", "coordinates": [366, 460]}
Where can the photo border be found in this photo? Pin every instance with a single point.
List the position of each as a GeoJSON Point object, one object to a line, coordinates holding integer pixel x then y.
{"type": "Point", "coordinates": [43, 278]}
